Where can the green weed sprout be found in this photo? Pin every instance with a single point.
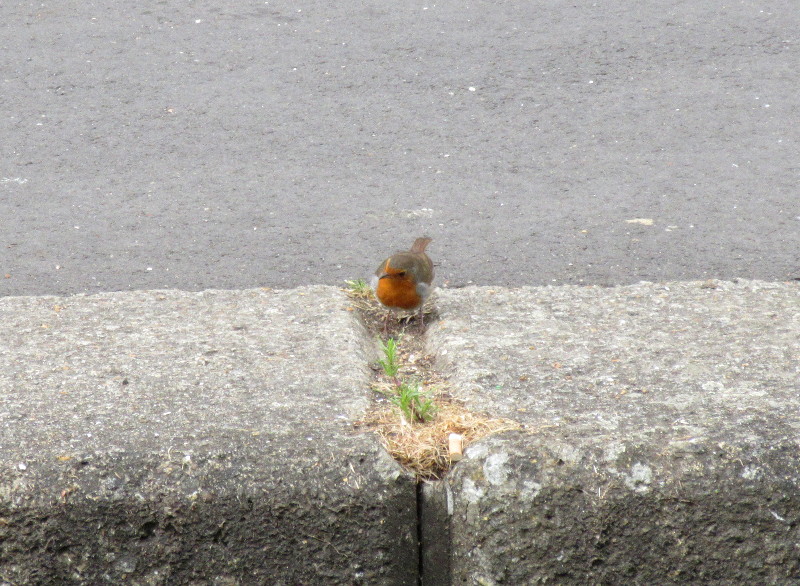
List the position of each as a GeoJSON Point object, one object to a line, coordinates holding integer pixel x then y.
{"type": "Point", "coordinates": [359, 287]}
{"type": "Point", "coordinates": [416, 405]}
{"type": "Point", "coordinates": [389, 363]}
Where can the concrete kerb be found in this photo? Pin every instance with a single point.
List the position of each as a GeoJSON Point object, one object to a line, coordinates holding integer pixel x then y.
{"type": "Point", "coordinates": [662, 424]}
{"type": "Point", "coordinates": [171, 437]}
{"type": "Point", "coordinates": [167, 437]}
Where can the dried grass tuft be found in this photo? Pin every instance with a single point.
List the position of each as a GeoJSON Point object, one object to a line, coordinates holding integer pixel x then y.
{"type": "Point", "coordinates": [422, 448]}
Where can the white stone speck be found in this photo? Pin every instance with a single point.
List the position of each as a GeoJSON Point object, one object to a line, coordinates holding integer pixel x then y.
{"type": "Point", "coordinates": [751, 472]}
{"type": "Point", "coordinates": [494, 469]}
{"type": "Point", "coordinates": [472, 494]}
{"type": "Point", "coordinates": [640, 478]}
{"type": "Point", "coordinates": [613, 451]}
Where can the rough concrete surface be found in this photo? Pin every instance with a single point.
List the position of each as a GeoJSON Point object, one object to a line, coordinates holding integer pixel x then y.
{"type": "Point", "coordinates": [660, 441]}
{"type": "Point", "coordinates": [166, 437]}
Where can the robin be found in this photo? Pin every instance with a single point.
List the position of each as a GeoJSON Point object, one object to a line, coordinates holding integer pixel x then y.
{"type": "Point", "coordinates": [403, 280]}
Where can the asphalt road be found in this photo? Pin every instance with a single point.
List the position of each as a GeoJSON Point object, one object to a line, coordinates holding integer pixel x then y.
{"type": "Point", "coordinates": [226, 145]}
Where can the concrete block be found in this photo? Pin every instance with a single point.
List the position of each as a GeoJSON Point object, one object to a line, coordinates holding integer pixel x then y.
{"type": "Point", "coordinates": [194, 438]}
{"type": "Point", "coordinates": [660, 441]}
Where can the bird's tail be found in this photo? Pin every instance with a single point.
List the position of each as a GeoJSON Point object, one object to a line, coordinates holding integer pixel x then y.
{"type": "Point", "coordinates": [420, 244]}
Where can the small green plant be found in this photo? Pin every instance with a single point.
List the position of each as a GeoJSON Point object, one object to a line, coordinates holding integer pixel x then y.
{"type": "Point", "coordinates": [416, 405]}
{"type": "Point", "coordinates": [389, 362]}
{"type": "Point", "coordinates": [359, 287]}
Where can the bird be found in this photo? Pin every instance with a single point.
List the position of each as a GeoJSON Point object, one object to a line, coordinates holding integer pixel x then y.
{"type": "Point", "coordinates": [403, 281]}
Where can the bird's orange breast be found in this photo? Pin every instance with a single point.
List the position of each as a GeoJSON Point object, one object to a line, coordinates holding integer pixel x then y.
{"type": "Point", "coordinates": [397, 291]}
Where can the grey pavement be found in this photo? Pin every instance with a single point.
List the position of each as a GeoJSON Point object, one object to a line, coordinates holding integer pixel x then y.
{"type": "Point", "coordinates": [199, 146]}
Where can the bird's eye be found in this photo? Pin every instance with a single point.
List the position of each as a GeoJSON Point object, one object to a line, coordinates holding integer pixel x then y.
{"type": "Point", "coordinates": [401, 273]}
